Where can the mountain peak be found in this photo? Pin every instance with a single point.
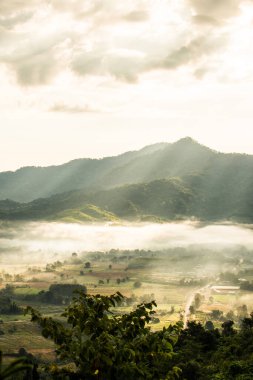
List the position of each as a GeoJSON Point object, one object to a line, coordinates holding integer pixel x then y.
{"type": "Point", "coordinates": [154, 147]}
{"type": "Point", "coordinates": [187, 140]}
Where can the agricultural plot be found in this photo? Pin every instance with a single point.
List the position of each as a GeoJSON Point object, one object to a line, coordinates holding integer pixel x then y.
{"type": "Point", "coordinates": [182, 281]}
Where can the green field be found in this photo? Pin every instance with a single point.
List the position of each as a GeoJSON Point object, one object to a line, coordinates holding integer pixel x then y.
{"type": "Point", "coordinates": [171, 277]}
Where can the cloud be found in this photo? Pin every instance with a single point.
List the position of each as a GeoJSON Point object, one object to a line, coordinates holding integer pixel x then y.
{"type": "Point", "coordinates": [101, 12]}
{"type": "Point", "coordinates": [14, 6]}
{"type": "Point", "coordinates": [219, 10]}
{"type": "Point", "coordinates": [201, 72]}
{"type": "Point", "coordinates": [205, 20]}
{"type": "Point", "coordinates": [128, 64]}
{"type": "Point", "coordinates": [15, 12]}
{"type": "Point", "coordinates": [34, 60]}
{"type": "Point", "coordinates": [101, 43]}
{"type": "Point", "coordinates": [193, 51]}
{"type": "Point", "coordinates": [39, 241]}
{"type": "Point", "coordinates": [35, 69]}
{"type": "Point", "coordinates": [122, 64]}
{"type": "Point", "coordinates": [81, 8]}
{"type": "Point", "coordinates": [136, 16]}
{"type": "Point", "coordinates": [62, 107]}
{"type": "Point", "coordinates": [16, 19]}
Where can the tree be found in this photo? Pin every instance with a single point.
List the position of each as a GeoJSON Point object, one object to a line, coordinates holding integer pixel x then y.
{"type": "Point", "coordinates": [87, 265]}
{"type": "Point", "coordinates": [137, 284]}
{"type": "Point", "coordinates": [216, 314]}
{"type": "Point", "coordinates": [227, 328]}
{"type": "Point", "coordinates": [197, 300]}
{"type": "Point", "coordinates": [242, 311]}
{"type": "Point", "coordinates": [247, 323]}
{"type": "Point", "coordinates": [209, 325]}
{"type": "Point", "coordinates": [100, 344]}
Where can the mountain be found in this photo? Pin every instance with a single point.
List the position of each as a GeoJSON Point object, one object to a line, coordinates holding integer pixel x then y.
{"type": "Point", "coordinates": [165, 199]}
{"type": "Point", "coordinates": [162, 181]}
{"type": "Point", "coordinates": [159, 200]}
{"type": "Point", "coordinates": [29, 183]}
{"type": "Point", "coordinates": [150, 163]}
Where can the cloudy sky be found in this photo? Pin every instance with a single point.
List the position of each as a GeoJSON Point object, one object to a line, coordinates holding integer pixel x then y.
{"type": "Point", "coordinates": [90, 78]}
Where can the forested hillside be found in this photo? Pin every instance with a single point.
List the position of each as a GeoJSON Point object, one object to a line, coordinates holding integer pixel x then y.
{"type": "Point", "coordinates": [163, 181]}
{"type": "Point", "coordinates": [166, 199]}
{"type": "Point", "coordinates": [29, 183]}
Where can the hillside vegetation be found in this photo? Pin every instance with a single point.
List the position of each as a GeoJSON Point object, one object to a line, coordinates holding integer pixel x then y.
{"type": "Point", "coordinates": [98, 343]}
{"type": "Point", "coordinates": [160, 182]}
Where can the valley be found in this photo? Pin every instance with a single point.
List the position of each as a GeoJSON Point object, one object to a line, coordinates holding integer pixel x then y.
{"type": "Point", "coordinates": [193, 272]}
{"type": "Point", "coordinates": [171, 223]}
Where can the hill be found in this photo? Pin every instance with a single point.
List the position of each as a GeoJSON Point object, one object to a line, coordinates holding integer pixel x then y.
{"type": "Point", "coordinates": [160, 182]}
{"type": "Point", "coordinates": [159, 200]}
{"type": "Point", "coordinates": [29, 183]}
{"type": "Point", "coordinates": [157, 161]}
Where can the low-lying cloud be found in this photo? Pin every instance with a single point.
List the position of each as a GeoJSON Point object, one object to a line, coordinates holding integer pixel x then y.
{"type": "Point", "coordinates": [39, 242]}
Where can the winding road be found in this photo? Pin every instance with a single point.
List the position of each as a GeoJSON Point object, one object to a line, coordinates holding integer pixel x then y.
{"type": "Point", "coordinates": [205, 290]}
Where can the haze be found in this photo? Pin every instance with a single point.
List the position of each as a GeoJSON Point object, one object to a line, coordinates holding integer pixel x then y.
{"type": "Point", "coordinates": [36, 243]}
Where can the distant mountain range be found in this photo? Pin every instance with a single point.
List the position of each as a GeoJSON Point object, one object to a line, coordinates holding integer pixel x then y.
{"type": "Point", "coordinates": [159, 182]}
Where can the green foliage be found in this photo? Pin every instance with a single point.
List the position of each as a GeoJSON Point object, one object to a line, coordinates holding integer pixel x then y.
{"type": "Point", "coordinates": [17, 366]}
{"type": "Point", "coordinates": [57, 294]}
{"type": "Point", "coordinates": [28, 183]}
{"type": "Point", "coordinates": [86, 213]}
{"type": "Point", "coordinates": [96, 343]}
{"type": "Point", "coordinates": [7, 305]}
{"type": "Point", "coordinates": [208, 353]}
{"type": "Point", "coordinates": [168, 182]}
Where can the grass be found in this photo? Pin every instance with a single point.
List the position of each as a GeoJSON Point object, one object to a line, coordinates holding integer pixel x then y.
{"type": "Point", "coordinates": [225, 298]}
{"type": "Point", "coordinates": [86, 213]}
{"type": "Point", "coordinates": [26, 290]}
{"type": "Point", "coordinates": [24, 334]}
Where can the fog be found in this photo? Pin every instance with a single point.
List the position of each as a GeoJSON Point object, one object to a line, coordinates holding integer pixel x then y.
{"type": "Point", "coordinates": [36, 243]}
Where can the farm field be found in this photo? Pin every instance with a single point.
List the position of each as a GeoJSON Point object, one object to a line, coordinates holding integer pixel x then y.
{"type": "Point", "coordinates": [182, 290]}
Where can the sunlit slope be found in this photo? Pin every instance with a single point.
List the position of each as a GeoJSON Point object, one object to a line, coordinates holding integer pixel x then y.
{"type": "Point", "coordinates": [166, 199]}
{"type": "Point", "coordinates": [160, 182]}
{"type": "Point", "coordinates": [198, 196]}
{"type": "Point", "coordinates": [229, 173]}
{"type": "Point", "coordinates": [87, 213]}
{"type": "Point", "coordinates": [29, 183]}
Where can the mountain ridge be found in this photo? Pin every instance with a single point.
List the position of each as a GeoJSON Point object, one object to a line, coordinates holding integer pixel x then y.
{"type": "Point", "coordinates": [180, 180]}
{"type": "Point", "coordinates": [28, 183]}
{"type": "Point", "coordinates": [159, 200]}
{"type": "Point", "coordinates": [146, 164]}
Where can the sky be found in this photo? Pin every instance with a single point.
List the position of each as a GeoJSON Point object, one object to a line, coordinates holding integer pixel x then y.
{"type": "Point", "coordinates": [97, 78]}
